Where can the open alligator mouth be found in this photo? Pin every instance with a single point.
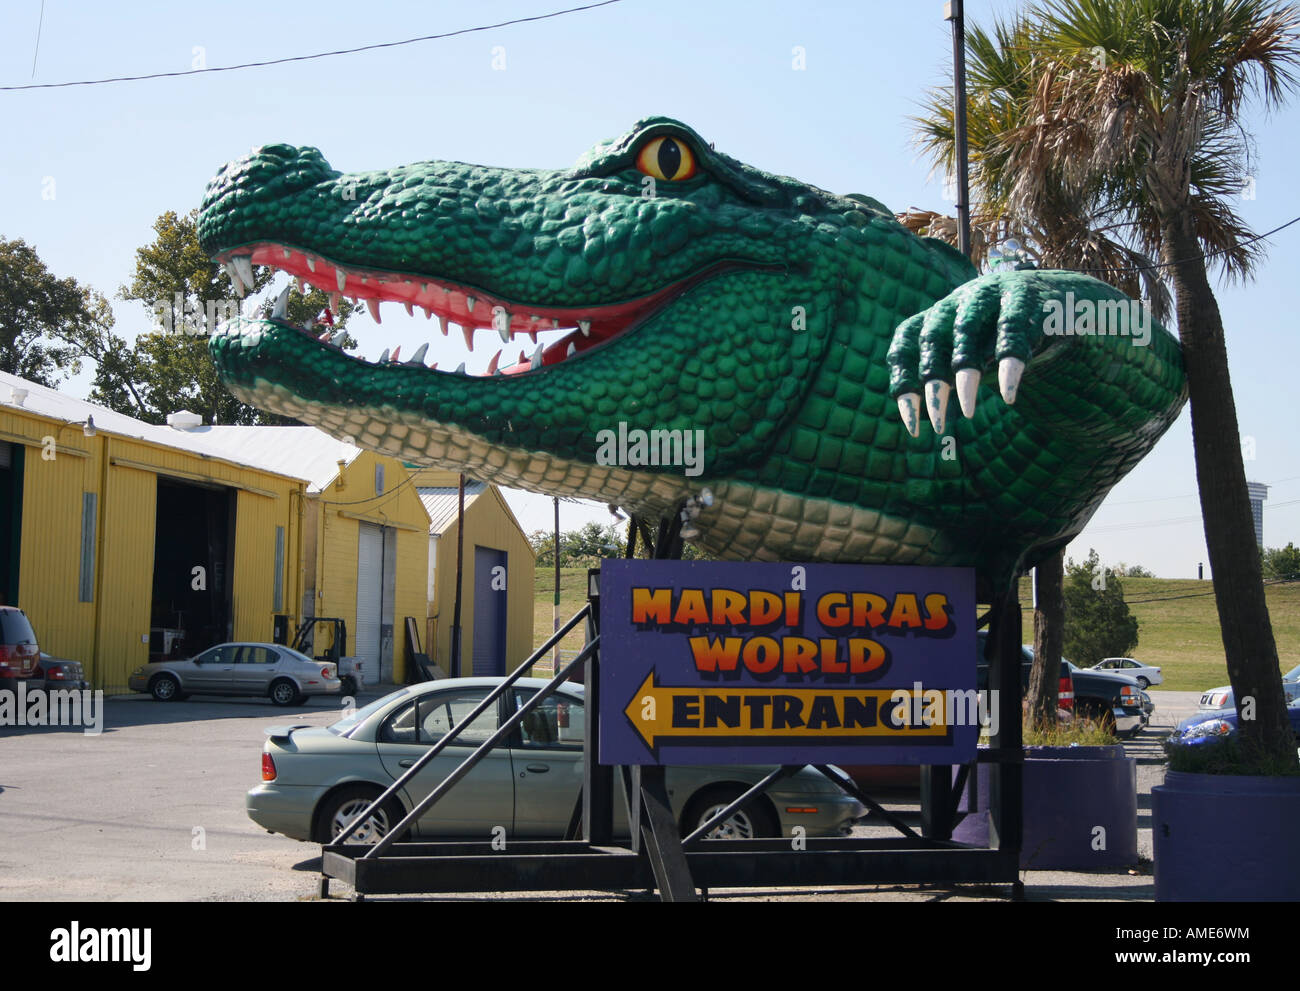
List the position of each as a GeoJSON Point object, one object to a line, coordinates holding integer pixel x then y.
{"type": "Point", "coordinates": [581, 328]}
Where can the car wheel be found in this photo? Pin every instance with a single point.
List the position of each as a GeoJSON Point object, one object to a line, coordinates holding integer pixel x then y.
{"type": "Point", "coordinates": [348, 803]}
{"type": "Point", "coordinates": [753, 822]}
{"type": "Point", "coordinates": [1103, 717]}
{"type": "Point", "coordinates": [165, 688]}
{"type": "Point", "coordinates": [285, 692]}
{"type": "Point", "coordinates": [1144, 683]}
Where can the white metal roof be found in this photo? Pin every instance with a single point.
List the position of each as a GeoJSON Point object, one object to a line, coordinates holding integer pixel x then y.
{"type": "Point", "coordinates": [297, 452]}
{"type": "Point", "coordinates": [442, 504]}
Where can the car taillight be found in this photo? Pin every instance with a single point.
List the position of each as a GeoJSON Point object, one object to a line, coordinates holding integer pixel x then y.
{"type": "Point", "coordinates": [325, 673]}
{"type": "Point", "coordinates": [4, 655]}
{"type": "Point", "coordinates": [268, 767]}
{"type": "Point", "coordinates": [56, 674]}
{"type": "Point", "coordinates": [1065, 691]}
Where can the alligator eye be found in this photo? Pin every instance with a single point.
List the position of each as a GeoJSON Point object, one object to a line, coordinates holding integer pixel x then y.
{"type": "Point", "coordinates": [667, 158]}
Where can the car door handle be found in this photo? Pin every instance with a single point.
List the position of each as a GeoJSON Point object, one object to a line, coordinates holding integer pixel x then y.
{"type": "Point", "coordinates": [406, 762]}
{"type": "Point", "coordinates": [538, 768]}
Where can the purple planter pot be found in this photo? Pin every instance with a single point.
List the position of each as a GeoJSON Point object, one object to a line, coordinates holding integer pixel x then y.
{"type": "Point", "coordinates": [1080, 810]}
{"type": "Point", "coordinates": [1226, 838]}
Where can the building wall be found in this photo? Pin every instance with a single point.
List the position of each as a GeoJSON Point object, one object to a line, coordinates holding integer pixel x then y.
{"type": "Point", "coordinates": [488, 523]}
{"type": "Point", "coordinates": [110, 635]}
{"type": "Point", "coordinates": [339, 511]}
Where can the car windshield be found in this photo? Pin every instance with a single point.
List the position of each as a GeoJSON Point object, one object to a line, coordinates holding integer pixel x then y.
{"type": "Point", "coordinates": [1293, 674]}
{"type": "Point", "coordinates": [348, 723]}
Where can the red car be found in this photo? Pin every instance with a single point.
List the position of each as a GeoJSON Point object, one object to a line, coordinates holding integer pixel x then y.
{"type": "Point", "coordinates": [19, 651]}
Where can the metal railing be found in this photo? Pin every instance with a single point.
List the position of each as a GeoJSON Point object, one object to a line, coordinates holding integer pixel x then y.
{"type": "Point", "coordinates": [455, 731]}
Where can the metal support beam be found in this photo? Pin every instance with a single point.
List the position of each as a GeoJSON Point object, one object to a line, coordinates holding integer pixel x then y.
{"type": "Point", "coordinates": [662, 840]}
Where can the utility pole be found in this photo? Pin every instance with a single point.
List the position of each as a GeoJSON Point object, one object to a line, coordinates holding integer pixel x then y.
{"type": "Point", "coordinates": [555, 607]}
{"type": "Point", "coordinates": [954, 11]}
{"type": "Point", "coordinates": [460, 573]}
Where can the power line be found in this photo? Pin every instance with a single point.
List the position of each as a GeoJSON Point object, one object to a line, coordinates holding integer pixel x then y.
{"type": "Point", "coordinates": [305, 58]}
{"type": "Point", "coordinates": [1202, 256]}
{"type": "Point", "coordinates": [37, 50]}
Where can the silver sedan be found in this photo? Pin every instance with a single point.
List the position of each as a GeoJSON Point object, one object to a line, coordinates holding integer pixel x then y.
{"type": "Point", "coordinates": [270, 670]}
{"type": "Point", "coordinates": [316, 780]}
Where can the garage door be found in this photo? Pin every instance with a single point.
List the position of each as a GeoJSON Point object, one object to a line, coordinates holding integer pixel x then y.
{"type": "Point", "coordinates": [370, 598]}
{"type": "Point", "coordinates": [490, 590]}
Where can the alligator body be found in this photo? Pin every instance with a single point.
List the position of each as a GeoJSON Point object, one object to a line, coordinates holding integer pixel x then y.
{"type": "Point", "coordinates": [800, 335]}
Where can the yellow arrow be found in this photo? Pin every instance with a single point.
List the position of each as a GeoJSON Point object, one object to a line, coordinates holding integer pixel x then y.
{"type": "Point", "coordinates": [748, 714]}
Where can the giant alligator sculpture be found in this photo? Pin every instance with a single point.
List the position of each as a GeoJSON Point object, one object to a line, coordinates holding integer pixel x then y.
{"type": "Point", "coordinates": [797, 329]}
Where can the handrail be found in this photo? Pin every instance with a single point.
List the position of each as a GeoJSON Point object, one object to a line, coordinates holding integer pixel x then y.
{"type": "Point", "coordinates": [479, 753]}
{"type": "Point", "coordinates": [478, 710]}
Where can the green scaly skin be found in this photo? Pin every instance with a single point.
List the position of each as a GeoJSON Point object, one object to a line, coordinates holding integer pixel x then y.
{"type": "Point", "coordinates": [781, 320]}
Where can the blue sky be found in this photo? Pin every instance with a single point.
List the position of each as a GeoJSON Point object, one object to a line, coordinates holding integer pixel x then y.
{"type": "Point", "coordinates": [116, 156]}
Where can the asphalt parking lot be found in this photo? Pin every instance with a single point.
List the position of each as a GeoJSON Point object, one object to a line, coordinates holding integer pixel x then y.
{"type": "Point", "coordinates": [152, 809]}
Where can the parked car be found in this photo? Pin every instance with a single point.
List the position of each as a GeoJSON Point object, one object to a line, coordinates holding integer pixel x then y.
{"type": "Point", "coordinates": [1113, 699]}
{"type": "Point", "coordinates": [1202, 727]}
{"type": "Point", "coordinates": [280, 673]}
{"type": "Point", "coordinates": [55, 672]}
{"type": "Point", "coordinates": [315, 780]}
{"type": "Point", "coordinates": [1221, 698]}
{"type": "Point", "coordinates": [19, 651]}
{"type": "Point", "coordinates": [1145, 674]}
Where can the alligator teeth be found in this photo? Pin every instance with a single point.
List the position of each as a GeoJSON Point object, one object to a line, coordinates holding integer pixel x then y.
{"type": "Point", "coordinates": [585, 327]}
{"type": "Point", "coordinates": [309, 325]}
{"type": "Point", "coordinates": [244, 266]}
{"type": "Point", "coordinates": [311, 264]}
{"type": "Point", "coordinates": [397, 351]}
{"type": "Point", "coordinates": [460, 369]}
{"type": "Point", "coordinates": [424, 287]}
{"type": "Point", "coordinates": [536, 361]}
{"type": "Point", "coordinates": [936, 402]}
{"type": "Point", "coordinates": [334, 302]}
{"type": "Point", "coordinates": [410, 310]}
{"type": "Point", "coordinates": [492, 365]}
{"type": "Point", "coordinates": [532, 336]}
{"type": "Point", "coordinates": [503, 328]}
{"type": "Point", "coordinates": [325, 336]}
{"type": "Point", "coordinates": [968, 387]}
{"type": "Point", "coordinates": [469, 303]}
{"type": "Point", "coordinates": [281, 308]}
{"type": "Point", "coordinates": [235, 280]}
{"type": "Point", "coordinates": [428, 313]}
{"type": "Point", "coordinates": [298, 283]}
{"type": "Point", "coordinates": [555, 324]}
{"type": "Point", "coordinates": [287, 253]}
{"type": "Point", "coordinates": [442, 324]}
{"type": "Point", "coordinates": [1009, 372]}
{"type": "Point", "coordinates": [337, 339]}
{"type": "Point", "coordinates": [573, 349]}
{"type": "Point", "coordinates": [340, 279]}
{"type": "Point", "coordinates": [418, 357]}
{"type": "Point", "coordinates": [533, 317]}
{"type": "Point", "coordinates": [468, 331]}
{"type": "Point", "coordinates": [434, 366]}
{"type": "Point", "coordinates": [909, 404]}
{"type": "Point", "coordinates": [373, 306]}
{"type": "Point", "coordinates": [522, 358]}
{"type": "Point", "coordinates": [383, 357]}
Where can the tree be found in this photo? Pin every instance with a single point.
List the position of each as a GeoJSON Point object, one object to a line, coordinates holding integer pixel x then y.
{"type": "Point", "coordinates": [47, 324]}
{"type": "Point", "coordinates": [1067, 226]}
{"type": "Point", "coordinates": [1282, 563]}
{"type": "Point", "coordinates": [1150, 95]}
{"type": "Point", "coordinates": [185, 294]}
{"type": "Point", "coordinates": [1098, 623]}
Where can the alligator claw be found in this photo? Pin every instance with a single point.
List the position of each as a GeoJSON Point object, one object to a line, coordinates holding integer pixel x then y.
{"type": "Point", "coordinates": [909, 405]}
{"type": "Point", "coordinates": [1009, 371]}
{"type": "Point", "coordinates": [968, 387]}
{"type": "Point", "coordinates": [936, 402]}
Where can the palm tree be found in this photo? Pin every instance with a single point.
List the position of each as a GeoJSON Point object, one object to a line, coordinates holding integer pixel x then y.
{"type": "Point", "coordinates": [1143, 100]}
{"type": "Point", "coordinates": [1078, 226]}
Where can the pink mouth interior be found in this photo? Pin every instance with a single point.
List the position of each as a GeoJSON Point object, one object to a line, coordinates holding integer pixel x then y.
{"type": "Point", "coordinates": [451, 303]}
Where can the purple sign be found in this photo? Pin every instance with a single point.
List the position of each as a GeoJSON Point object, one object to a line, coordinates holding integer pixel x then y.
{"type": "Point", "coordinates": [713, 662]}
